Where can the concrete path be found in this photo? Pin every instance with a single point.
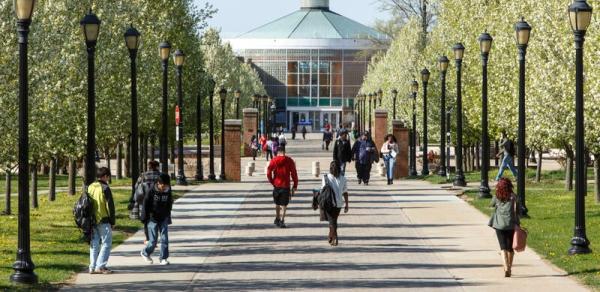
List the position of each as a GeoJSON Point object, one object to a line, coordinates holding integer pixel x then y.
{"type": "Point", "coordinates": [412, 236]}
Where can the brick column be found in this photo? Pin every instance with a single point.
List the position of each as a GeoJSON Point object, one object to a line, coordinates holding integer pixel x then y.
{"type": "Point", "coordinates": [401, 132]}
{"type": "Point", "coordinates": [233, 160]}
{"type": "Point", "coordinates": [380, 128]}
{"type": "Point", "coordinates": [250, 118]}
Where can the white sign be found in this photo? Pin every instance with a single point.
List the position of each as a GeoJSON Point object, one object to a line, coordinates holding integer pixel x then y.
{"type": "Point", "coordinates": [177, 133]}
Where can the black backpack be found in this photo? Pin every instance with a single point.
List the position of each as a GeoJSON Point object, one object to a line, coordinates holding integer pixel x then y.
{"type": "Point", "coordinates": [326, 197]}
{"type": "Point", "coordinates": [83, 211]}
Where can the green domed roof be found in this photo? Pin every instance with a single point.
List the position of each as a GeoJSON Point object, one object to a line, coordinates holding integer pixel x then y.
{"type": "Point", "coordinates": [313, 23]}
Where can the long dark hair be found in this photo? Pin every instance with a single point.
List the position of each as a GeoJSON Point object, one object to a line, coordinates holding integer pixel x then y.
{"type": "Point", "coordinates": [504, 189]}
{"type": "Point", "coordinates": [335, 169]}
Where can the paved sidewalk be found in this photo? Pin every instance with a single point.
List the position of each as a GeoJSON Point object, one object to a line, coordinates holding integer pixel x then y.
{"type": "Point", "coordinates": [412, 236]}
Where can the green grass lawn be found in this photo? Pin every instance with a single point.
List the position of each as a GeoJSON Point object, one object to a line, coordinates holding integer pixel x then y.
{"type": "Point", "coordinates": [61, 182]}
{"type": "Point", "coordinates": [56, 249]}
{"type": "Point", "coordinates": [552, 211]}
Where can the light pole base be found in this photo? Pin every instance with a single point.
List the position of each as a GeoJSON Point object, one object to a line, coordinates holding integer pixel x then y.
{"type": "Point", "coordinates": [413, 172]}
{"type": "Point", "coordinates": [181, 180]}
{"type": "Point", "coordinates": [199, 177]}
{"type": "Point", "coordinates": [425, 172]}
{"type": "Point", "coordinates": [212, 177]}
{"type": "Point", "coordinates": [484, 192]}
{"type": "Point", "coordinates": [459, 181]}
{"type": "Point", "coordinates": [24, 277]}
{"type": "Point", "coordinates": [579, 245]}
{"type": "Point", "coordinates": [222, 177]}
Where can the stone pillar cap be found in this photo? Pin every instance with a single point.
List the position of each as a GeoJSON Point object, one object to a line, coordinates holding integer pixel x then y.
{"type": "Point", "coordinates": [233, 123]}
{"type": "Point", "coordinates": [250, 110]}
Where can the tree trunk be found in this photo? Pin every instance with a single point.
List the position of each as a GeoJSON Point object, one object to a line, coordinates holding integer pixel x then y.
{"type": "Point", "coordinates": [52, 181]}
{"type": "Point", "coordinates": [152, 147]}
{"type": "Point", "coordinates": [569, 170]}
{"type": "Point", "coordinates": [72, 175]}
{"type": "Point", "coordinates": [127, 159]}
{"type": "Point", "coordinates": [7, 208]}
{"type": "Point", "coordinates": [119, 160]}
{"type": "Point", "coordinates": [478, 156]}
{"type": "Point", "coordinates": [533, 160]}
{"type": "Point", "coordinates": [173, 153]}
{"type": "Point", "coordinates": [34, 185]}
{"type": "Point", "coordinates": [107, 156]}
{"type": "Point", "coordinates": [143, 152]}
{"type": "Point", "coordinates": [538, 171]}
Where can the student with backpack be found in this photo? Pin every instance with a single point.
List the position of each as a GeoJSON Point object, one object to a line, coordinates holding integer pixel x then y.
{"type": "Point", "coordinates": [332, 198]}
{"type": "Point", "coordinates": [104, 213]}
{"type": "Point", "coordinates": [254, 146]}
{"type": "Point", "coordinates": [509, 153]}
{"type": "Point", "coordinates": [156, 213]}
{"type": "Point", "coordinates": [143, 186]}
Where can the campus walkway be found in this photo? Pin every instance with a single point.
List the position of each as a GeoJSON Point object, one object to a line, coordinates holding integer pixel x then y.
{"type": "Point", "coordinates": [412, 236]}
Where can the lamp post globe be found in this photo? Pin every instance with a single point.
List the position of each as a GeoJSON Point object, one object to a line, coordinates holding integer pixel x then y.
{"type": "Point", "coordinates": [413, 137]}
{"type": "Point", "coordinates": [443, 63]}
{"type": "Point", "coordinates": [132, 42]}
{"type": "Point", "coordinates": [211, 87]}
{"type": "Point", "coordinates": [485, 45]}
{"type": "Point", "coordinates": [523, 31]}
{"type": "Point", "coordinates": [425, 74]}
{"type": "Point", "coordinates": [394, 97]}
{"type": "Point", "coordinates": [580, 16]}
{"type": "Point", "coordinates": [179, 60]}
{"type": "Point", "coordinates": [223, 97]}
{"type": "Point", "coordinates": [238, 94]}
{"type": "Point", "coordinates": [23, 265]}
{"type": "Point", "coordinates": [459, 179]}
{"type": "Point", "coordinates": [164, 52]}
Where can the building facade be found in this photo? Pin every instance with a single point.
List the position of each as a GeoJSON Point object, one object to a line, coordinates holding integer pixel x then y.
{"type": "Point", "coordinates": [312, 62]}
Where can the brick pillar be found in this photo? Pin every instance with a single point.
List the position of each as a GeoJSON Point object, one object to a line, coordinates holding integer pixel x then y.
{"type": "Point", "coordinates": [380, 128]}
{"type": "Point", "coordinates": [250, 118]}
{"type": "Point", "coordinates": [401, 132]}
{"type": "Point", "coordinates": [233, 160]}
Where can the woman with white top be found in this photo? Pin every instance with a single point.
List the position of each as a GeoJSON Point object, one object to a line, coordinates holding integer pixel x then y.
{"type": "Point", "coordinates": [389, 150]}
{"type": "Point", "coordinates": [337, 182]}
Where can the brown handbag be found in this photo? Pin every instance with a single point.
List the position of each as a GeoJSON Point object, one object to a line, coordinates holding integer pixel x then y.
{"type": "Point", "coordinates": [520, 236]}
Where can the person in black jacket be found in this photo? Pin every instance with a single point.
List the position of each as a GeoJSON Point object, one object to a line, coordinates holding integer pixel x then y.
{"type": "Point", "coordinates": [342, 151]}
{"type": "Point", "coordinates": [156, 212]}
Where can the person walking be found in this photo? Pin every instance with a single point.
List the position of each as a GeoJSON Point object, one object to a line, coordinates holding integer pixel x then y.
{"type": "Point", "coordinates": [282, 140]}
{"type": "Point", "coordinates": [327, 137]}
{"type": "Point", "coordinates": [262, 142]}
{"type": "Point", "coordinates": [509, 152]}
{"type": "Point", "coordinates": [254, 146]}
{"type": "Point", "coordinates": [279, 172]}
{"type": "Point", "coordinates": [304, 132]}
{"type": "Point", "coordinates": [104, 212]}
{"type": "Point", "coordinates": [157, 215]}
{"type": "Point", "coordinates": [504, 219]}
{"type": "Point", "coordinates": [337, 181]}
{"type": "Point", "coordinates": [342, 151]}
{"type": "Point", "coordinates": [389, 150]}
{"type": "Point", "coordinates": [274, 146]}
{"type": "Point", "coordinates": [294, 130]}
{"type": "Point", "coordinates": [365, 153]}
{"type": "Point", "coordinates": [268, 149]}
{"type": "Point", "coordinates": [142, 187]}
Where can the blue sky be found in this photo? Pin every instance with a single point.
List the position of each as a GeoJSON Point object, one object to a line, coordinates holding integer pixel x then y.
{"type": "Point", "coordinates": [238, 16]}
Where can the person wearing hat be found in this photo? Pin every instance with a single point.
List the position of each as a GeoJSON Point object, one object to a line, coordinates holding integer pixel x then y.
{"type": "Point", "coordinates": [365, 153]}
{"type": "Point", "coordinates": [342, 152]}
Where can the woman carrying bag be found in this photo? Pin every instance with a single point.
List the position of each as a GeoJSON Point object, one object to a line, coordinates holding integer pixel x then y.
{"type": "Point", "coordinates": [505, 220]}
{"type": "Point", "coordinates": [389, 150]}
{"type": "Point", "coordinates": [334, 185]}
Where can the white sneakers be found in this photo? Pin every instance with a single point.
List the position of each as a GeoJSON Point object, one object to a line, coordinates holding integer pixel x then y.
{"type": "Point", "coordinates": [146, 258]}
{"type": "Point", "coordinates": [164, 262]}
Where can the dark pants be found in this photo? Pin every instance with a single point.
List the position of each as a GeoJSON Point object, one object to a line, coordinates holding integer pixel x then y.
{"type": "Point", "coordinates": [505, 239]}
{"type": "Point", "coordinates": [363, 171]}
{"type": "Point", "coordinates": [293, 135]}
{"type": "Point", "coordinates": [303, 136]}
{"type": "Point", "coordinates": [254, 152]}
{"type": "Point", "coordinates": [269, 154]}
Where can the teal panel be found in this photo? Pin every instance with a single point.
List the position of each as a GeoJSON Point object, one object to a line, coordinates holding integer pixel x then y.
{"type": "Point", "coordinates": [336, 102]}
{"type": "Point", "coordinates": [349, 28]}
{"type": "Point", "coordinates": [314, 102]}
{"type": "Point", "coordinates": [315, 26]}
{"type": "Point", "coordinates": [324, 102]}
{"type": "Point", "coordinates": [277, 29]}
{"type": "Point", "coordinates": [280, 102]}
{"type": "Point", "coordinates": [292, 101]}
{"type": "Point", "coordinates": [304, 101]}
{"type": "Point", "coordinates": [351, 103]}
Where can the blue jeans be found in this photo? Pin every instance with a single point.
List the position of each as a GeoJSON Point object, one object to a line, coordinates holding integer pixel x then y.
{"type": "Point", "coordinates": [507, 162]}
{"type": "Point", "coordinates": [100, 246]}
{"type": "Point", "coordinates": [390, 163]}
{"type": "Point", "coordinates": [154, 229]}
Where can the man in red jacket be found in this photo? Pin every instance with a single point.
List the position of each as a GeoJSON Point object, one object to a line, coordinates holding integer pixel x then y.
{"type": "Point", "coordinates": [279, 172]}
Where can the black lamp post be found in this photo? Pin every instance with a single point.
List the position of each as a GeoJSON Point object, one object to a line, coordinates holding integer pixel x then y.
{"type": "Point", "coordinates": [223, 96]}
{"type": "Point", "coordinates": [255, 99]}
{"type": "Point", "coordinates": [265, 99]}
{"type": "Point", "coordinates": [380, 97]}
{"type": "Point", "coordinates": [485, 44]}
{"type": "Point", "coordinates": [179, 59]}
{"type": "Point", "coordinates": [211, 129]}
{"type": "Point", "coordinates": [425, 78]}
{"type": "Point", "coordinates": [271, 114]}
{"type": "Point", "coordinates": [23, 264]}
{"type": "Point", "coordinates": [580, 14]}
{"type": "Point", "coordinates": [443, 63]}
{"type": "Point", "coordinates": [199, 167]}
{"type": "Point", "coordinates": [364, 112]}
{"type": "Point", "coordinates": [413, 139]}
{"type": "Point", "coordinates": [273, 109]}
{"type": "Point", "coordinates": [164, 51]}
{"type": "Point", "coordinates": [238, 94]}
{"type": "Point", "coordinates": [371, 97]}
{"type": "Point", "coordinates": [394, 97]}
{"type": "Point", "coordinates": [132, 41]}
{"type": "Point", "coordinates": [459, 179]}
{"type": "Point", "coordinates": [523, 30]}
